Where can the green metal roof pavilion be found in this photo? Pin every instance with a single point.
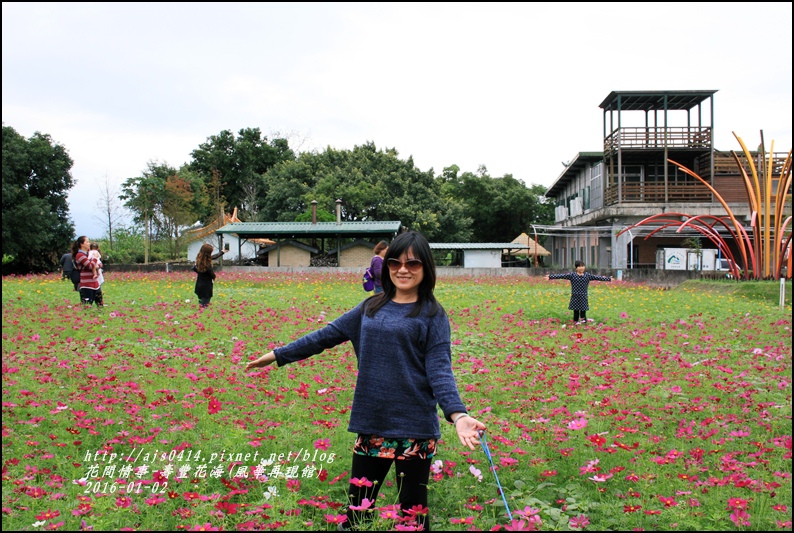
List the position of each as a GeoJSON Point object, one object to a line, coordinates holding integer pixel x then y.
{"type": "Point", "coordinates": [321, 230]}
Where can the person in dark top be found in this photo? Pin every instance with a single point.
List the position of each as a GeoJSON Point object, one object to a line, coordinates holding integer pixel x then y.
{"type": "Point", "coordinates": [580, 280]}
{"type": "Point", "coordinates": [206, 276]}
{"type": "Point", "coordinates": [401, 338]}
{"type": "Point", "coordinates": [376, 265]}
{"type": "Point", "coordinates": [66, 266]}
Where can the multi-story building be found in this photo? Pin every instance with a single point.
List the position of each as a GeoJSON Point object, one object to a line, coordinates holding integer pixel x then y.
{"type": "Point", "coordinates": [601, 193]}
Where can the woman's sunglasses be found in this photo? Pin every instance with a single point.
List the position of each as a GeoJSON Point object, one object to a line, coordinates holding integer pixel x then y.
{"type": "Point", "coordinates": [412, 265]}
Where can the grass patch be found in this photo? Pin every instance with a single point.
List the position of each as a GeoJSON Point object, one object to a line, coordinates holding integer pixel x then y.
{"type": "Point", "coordinates": [766, 291]}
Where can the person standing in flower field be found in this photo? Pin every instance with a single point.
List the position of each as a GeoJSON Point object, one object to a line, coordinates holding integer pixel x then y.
{"type": "Point", "coordinates": [206, 276]}
{"type": "Point", "coordinates": [89, 288]}
{"type": "Point", "coordinates": [376, 265]}
{"type": "Point", "coordinates": [402, 342]}
{"type": "Point", "coordinates": [66, 266]}
{"type": "Point", "coordinates": [580, 280]}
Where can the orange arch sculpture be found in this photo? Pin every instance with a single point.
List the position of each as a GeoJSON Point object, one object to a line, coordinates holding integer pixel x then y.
{"type": "Point", "coordinates": [764, 251]}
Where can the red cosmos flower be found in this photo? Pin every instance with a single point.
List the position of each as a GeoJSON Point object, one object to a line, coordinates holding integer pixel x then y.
{"type": "Point", "coordinates": [36, 492]}
{"type": "Point", "coordinates": [228, 508]}
{"type": "Point", "coordinates": [417, 510]}
{"type": "Point", "coordinates": [48, 515]}
{"type": "Point", "coordinates": [123, 502]}
{"type": "Point", "coordinates": [548, 473]}
{"type": "Point", "coordinates": [668, 501]}
{"type": "Point", "coordinates": [653, 511]}
{"type": "Point", "coordinates": [631, 508]}
{"type": "Point", "coordinates": [467, 520]}
{"type": "Point", "coordinates": [213, 406]}
{"type": "Point", "coordinates": [737, 503]}
{"type": "Point", "coordinates": [207, 392]}
{"type": "Point", "coordinates": [596, 439]}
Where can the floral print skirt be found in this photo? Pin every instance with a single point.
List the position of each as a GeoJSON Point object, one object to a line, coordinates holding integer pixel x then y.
{"type": "Point", "coordinates": [402, 449]}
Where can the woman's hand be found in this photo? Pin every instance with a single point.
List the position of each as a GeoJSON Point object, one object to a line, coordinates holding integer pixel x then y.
{"type": "Point", "coordinates": [468, 429]}
{"type": "Point", "coordinates": [263, 361]}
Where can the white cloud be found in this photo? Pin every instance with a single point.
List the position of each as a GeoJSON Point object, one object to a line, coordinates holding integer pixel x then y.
{"type": "Point", "coordinates": [515, 87]}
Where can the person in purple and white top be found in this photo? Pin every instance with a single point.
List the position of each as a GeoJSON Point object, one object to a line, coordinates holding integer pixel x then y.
{"type": "Point", "coordinates": [402, 342]}
{"type": "Point", "coordinates": [376, 265]}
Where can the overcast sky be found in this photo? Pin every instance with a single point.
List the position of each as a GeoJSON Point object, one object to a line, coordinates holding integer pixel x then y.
{"type": "Point", "coordinates": [514, 87]}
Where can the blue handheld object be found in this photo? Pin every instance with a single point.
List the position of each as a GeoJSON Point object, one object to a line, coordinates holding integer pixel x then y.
{"type": "Point", "coordinates": [493, 469]}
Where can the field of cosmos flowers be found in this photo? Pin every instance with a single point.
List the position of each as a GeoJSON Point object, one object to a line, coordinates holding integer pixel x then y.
{"type": "Point", "coordinates": [669, 410]}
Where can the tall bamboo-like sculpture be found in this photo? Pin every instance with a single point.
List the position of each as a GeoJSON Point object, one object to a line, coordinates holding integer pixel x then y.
{"type": "Point", "coordinates": [764, 251]}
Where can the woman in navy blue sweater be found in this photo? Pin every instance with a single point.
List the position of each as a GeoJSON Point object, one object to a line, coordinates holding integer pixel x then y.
{"type": "Point", "coordinates": [401, 338]}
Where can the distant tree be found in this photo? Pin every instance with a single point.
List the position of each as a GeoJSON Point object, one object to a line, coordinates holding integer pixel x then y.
{"type": "Point", "coordinates": [240, 162]}
{"type": "Point", "coordinates": [36, 182]}
{"type": "Point", "coordinates": [144, 196]}
{"type": "Point", "coordinates": [109, 210]}
{"type": "Point", "coordinates": [500, 208]}
{"type": "Point", "coordinates": [164, 201]}
{"type": "Point", "coordinates": [373, 185]}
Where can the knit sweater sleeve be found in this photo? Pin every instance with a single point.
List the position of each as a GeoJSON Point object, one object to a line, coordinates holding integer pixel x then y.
{"type": "Point", "coordinates": [438, 361]}
{"type": "Point", "coordinates": [340, 330]}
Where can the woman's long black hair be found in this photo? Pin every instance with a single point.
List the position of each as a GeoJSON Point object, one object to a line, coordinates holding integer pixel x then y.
{"type": "Point", "coordinates": [420, 249]}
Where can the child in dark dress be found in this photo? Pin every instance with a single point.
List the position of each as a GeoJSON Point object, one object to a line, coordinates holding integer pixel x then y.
{"type": "Point", "coordinates": [579, 284]}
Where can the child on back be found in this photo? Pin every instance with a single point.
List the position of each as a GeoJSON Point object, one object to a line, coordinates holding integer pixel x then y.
{"type": "Point", "coordinates": [96, 269]}
{"type": "Point", "coordinates": [579, 283]}
{"type": "Point", "coordinates": [93, 253]}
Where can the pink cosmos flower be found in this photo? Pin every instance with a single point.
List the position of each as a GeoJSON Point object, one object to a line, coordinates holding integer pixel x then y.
{"type": "Point", "coordinates": [363, 482]}
{"type": "Point", "coordinates": [519, 525]}
{"type": "Point", "coordinates": [322, 444]}
{"type": "Point", "coordinates": [580, 521]}
{"type": "Point", "coordinates": [366, 503]}
{"type": "Point", "coordinates": [335, 518]}
{"type": "Point", "coordinates": [578, 423]}
{"type": "Point", "coordinates": [204, 527]}
{"type": "Point", "coordinates": [740, 517]}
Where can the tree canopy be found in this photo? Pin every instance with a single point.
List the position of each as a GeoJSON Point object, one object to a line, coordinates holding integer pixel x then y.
{"type": "Point", "coordinates": [240, 163]}
{"type": "Point", "coordinates": [37, 178]}
{"type": "Point", "coordinates": [373, 185]}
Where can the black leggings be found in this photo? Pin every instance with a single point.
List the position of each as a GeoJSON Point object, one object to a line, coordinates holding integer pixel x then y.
{"type": "Point", "coordinates": [412, 478]}
{"type": "Point", "coordinates": [579, 315]}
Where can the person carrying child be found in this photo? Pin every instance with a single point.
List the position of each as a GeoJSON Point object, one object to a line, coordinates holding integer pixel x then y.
{"type": "Point", "coordinates": [580, 280]}
{"type": "Point", "coordinates": [90, 291]}
{"type": "Point", "coordinates": [402, 341]}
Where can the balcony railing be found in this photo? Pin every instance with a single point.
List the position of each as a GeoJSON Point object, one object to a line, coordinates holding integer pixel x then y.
{"type": "Point", "coordinates": [725, 164]}
{"type": "Point", "coordinates": [658, 137]}
{"type": "Point", "coordinates": [654, 193]}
